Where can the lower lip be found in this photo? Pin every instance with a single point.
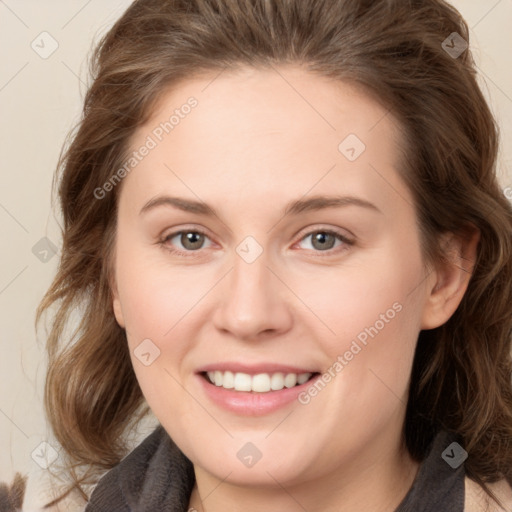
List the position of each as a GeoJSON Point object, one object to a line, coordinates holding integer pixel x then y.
{"type": "Point", "coordinates": [252, 403]}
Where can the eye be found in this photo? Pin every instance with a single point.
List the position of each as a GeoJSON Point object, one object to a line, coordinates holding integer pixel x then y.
{"type": "Point", "coordinates": [191, 240]}
{"type": "Point", "coordinates": [323, 240]}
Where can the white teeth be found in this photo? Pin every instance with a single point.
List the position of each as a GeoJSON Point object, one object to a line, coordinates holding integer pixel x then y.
{"type": "Point", "coordinates": [228, 380]}
{"type": "Point", "coordinates": [260, 383]}
{"type": "Point", "coordinates": [303, 377]}
{"type": "Point", "coordinates": [243, 382]}
{"type": "Point", "coordinates": [290, 380]}
{"type": "Point", "coordinates": [277, 381]}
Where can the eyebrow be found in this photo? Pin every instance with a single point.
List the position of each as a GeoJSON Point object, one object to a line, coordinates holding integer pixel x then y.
{"type": "Point", "coordinates": [314, 203]}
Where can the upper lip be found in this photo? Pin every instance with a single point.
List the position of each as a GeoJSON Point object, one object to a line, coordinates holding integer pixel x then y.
{"type": "Point", "coordinates": [253, 369]}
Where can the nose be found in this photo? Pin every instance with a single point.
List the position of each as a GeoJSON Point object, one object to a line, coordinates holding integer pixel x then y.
{"type": "Point", "coordinates": [254, 302]}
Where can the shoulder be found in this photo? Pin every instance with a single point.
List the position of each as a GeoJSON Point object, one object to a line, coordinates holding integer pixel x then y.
{"type": "Point", "coordinates": [476, 499]}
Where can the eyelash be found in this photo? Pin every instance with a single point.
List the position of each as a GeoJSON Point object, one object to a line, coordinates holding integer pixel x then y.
{"type": "Point", "coordinates": [194, 254]}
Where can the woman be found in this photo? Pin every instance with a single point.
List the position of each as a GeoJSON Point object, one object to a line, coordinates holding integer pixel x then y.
{"type": "Point", "coordinates": [283, 228]}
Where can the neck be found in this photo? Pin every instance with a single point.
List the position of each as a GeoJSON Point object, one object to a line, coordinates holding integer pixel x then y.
{"type": "Point", "coordinates": [379, 486]}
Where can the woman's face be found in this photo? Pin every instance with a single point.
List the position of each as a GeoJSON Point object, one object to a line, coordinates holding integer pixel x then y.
{"type": "Point", "coordinates": [310, 265]}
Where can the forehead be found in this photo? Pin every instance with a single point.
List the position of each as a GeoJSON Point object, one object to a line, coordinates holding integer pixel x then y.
{"type": "Point", "coordinates": [261, 129]}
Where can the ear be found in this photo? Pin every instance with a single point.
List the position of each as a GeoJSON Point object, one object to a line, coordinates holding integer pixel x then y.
{"type": "Point", "coordinates": [116, 304]}
{"type": "Point", "coordinates": [449, 281]}
{"type": "Point", "coordinates": [118, 312]}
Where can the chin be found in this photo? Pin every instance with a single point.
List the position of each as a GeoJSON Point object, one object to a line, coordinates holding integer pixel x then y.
{"type": "Point", "coordinates": [278, 463]}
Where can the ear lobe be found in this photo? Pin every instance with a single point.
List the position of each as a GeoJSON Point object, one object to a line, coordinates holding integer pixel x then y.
{"type": "Point", "coordinates": [118, 312]}
{"type": "Point", "coordinates": [116, 304]}
{"type": "Point", "coordinates": [448, 283]}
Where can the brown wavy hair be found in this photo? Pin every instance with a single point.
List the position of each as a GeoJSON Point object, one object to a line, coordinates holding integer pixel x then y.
{"type": "Point", "coordinates": [392, 49]}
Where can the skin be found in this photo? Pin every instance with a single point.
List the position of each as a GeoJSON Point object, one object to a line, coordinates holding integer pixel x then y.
{"type": "Point", "coordinates": [253, 144]}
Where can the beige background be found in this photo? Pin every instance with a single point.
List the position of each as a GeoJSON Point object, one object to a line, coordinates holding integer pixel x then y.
{"type": "Point", "coordinates": [40, 101]}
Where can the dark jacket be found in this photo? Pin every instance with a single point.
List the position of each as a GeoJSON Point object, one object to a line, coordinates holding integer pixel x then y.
{"type": "Point", "coordinates": [157, 476]}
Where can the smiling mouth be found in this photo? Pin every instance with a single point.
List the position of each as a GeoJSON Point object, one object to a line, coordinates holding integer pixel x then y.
{"type": "Point", "coordinates": [259, 383]}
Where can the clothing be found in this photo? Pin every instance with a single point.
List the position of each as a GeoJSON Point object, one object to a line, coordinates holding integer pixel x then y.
{"type": "Point", "coordinates": [438, 487]}
{"type": "Point", "coordinates": [156, 476]}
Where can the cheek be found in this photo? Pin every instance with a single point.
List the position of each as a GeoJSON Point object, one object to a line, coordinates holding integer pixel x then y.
{"type": "Point", "coordinates": [162, 308]}
{"type": "Point", "coordinates": [155, 305]}
{"type": "Point", "coordinates": [371, 315]}
{"type": "Point", "coordinates": [154, 297]}
{"type": "Point", "coordinates": [362, 299]}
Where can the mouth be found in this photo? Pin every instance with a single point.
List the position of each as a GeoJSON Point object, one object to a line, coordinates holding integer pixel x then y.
{"type": "Point", "coordinates": [258, 383]}
{"type": "Point", "coordinates": [254, 389]}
